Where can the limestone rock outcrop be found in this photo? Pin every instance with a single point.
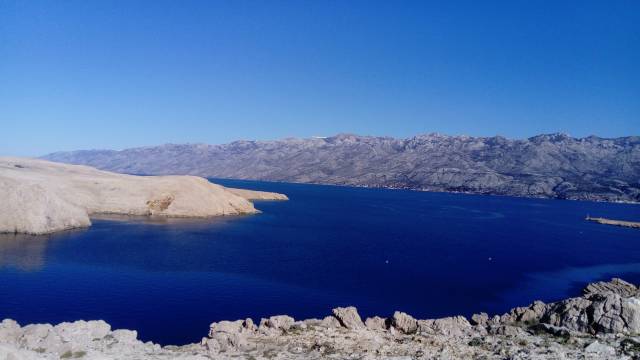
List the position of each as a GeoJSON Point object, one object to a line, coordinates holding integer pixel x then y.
{"type": "Point", "coordinates": [616, 286]}
{"type": "Point", "coordinates": [602, 324]}
{"type": "Point", "coordinates": [597, 313]}
{"type": "Point", "coordinates": [404, 322]}
{"type": "Point", "coordinates": [348, 317]}
{"type": "Point", "coordinates": [40, 197]}
{"type": "Point", "coordinates": [376, 323]}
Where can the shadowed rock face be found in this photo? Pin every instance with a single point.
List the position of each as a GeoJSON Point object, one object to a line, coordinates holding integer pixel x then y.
{"type": "Point", "coordinates": [552, 166]}
{"type": "Point", "coordinates": [602, 324]}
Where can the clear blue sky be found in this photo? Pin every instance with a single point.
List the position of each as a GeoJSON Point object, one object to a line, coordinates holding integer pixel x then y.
{"type": "Point", "coordinates": [116, 74]}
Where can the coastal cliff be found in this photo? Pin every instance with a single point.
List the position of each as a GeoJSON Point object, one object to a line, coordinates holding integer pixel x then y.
{"type": "Point", "coordinates": [40, 197]}
{"type": "Point", "coordinates": [603, 323]}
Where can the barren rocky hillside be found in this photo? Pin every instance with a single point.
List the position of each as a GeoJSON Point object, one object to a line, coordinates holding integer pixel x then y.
{"type": "Point", "coordinates": [552, 166]}
{"type": "Point", "coordinates": [40, 197]}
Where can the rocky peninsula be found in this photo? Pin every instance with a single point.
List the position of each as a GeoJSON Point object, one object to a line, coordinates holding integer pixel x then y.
{"type": "Point", "coordinates": [603, 323]}
{"type": "Point", "coordinates": [605, 221]}
{"type": "Point", "coordinates": [40, 197]}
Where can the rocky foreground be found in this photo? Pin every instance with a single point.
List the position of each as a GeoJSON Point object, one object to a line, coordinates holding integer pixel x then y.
{"type": "Point", "coordinates": [40, 197]}
{"type": "Point", "coordinates": [549, 166]}
{"type": "Point", "coordinates": [604, 323]}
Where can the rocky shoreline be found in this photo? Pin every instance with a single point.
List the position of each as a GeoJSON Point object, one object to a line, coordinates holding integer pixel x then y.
{"type": "Point", "coordinates": [603, 323]}
{"type": "Point", "coordinates": [604, 221]}
{"type": "Point", "coordinates": [41, 197]}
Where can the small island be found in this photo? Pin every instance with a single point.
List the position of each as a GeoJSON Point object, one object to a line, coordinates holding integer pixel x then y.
{"type": "Point", "coordinates": [600, 220]}
{"type": "Point", "coordinates": [41, 197]}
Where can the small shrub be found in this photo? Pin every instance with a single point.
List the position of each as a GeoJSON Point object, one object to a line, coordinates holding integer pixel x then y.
{"type": "Point", "coordinates": [523, 342]}
{"type": "Point", "coordinates": [75, 355]}
{"type": "Point", "coordinates": [630, 347]}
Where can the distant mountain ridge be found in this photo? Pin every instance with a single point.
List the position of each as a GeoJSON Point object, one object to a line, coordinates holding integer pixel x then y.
{"type": "Point", "coordinates": [549, 165]}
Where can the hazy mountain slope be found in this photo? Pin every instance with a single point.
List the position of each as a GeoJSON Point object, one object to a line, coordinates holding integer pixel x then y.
{"type": "Point", "coordinates": [556, 165]}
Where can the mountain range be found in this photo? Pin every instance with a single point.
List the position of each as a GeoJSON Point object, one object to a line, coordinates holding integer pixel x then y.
{"type": "Point", "coordinates": [549, 165]}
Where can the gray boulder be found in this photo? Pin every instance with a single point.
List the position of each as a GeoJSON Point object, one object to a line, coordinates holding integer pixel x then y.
{"type": "Point", "coordinates": [376, 323]}
{"type": "Point", "coordinates": [249, 325]}
{"type": "Point", "coordinates": [330, 322]}
{"type": "Point", "coordinates": [480, 319]}
{"type": "Point", "coordinates": [9, 331]}
{"type": "Point", "coordinates": [600, 349]}
{"type": "Point", "coordinates": [616, 286]}
{"type": "Point", "coordinates": [40, 337]}
{"type": "Point", "coordinates": [348, 317]}
{"type": "Point", "coordinates": [606, 307]}
{"type": "Point", "coordinates": [229, 335]}
{"type": "Point", "coordinates": [454, 325]}
{"type": "Point", "coordinates": [570, 313]}
{"type": "Point", "coordinates": [505, 330]}
{"type": "Point", "coordinates": [630, 314]}
{"type": "Point", "coordinates": [125, 337]}
{"type": "Point", "coordinates": [82, 332]}
{"type": "Point", "coordinates": [228, 327]}
{"type": "Point", "coordinates": [404, 323]}
{"type": "Point", "coordinates": [279, 322]}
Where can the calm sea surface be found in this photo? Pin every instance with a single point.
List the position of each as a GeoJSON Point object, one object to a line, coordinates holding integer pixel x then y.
{"type": "Point", "coordinates": [428, 254]}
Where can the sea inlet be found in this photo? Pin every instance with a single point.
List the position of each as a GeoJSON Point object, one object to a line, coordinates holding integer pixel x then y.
{"type": "Point", "coordinates": [427, 254]}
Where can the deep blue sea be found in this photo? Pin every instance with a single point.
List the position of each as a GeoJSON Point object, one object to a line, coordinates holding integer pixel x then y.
{"type": "Point", "coordinates": [428, 254]}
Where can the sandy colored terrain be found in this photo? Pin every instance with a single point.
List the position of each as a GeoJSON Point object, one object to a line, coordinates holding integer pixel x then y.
{"type": "Point", "coordinates": [631, 224]}
{"type": "Point", "coordinates": [39, 197]}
